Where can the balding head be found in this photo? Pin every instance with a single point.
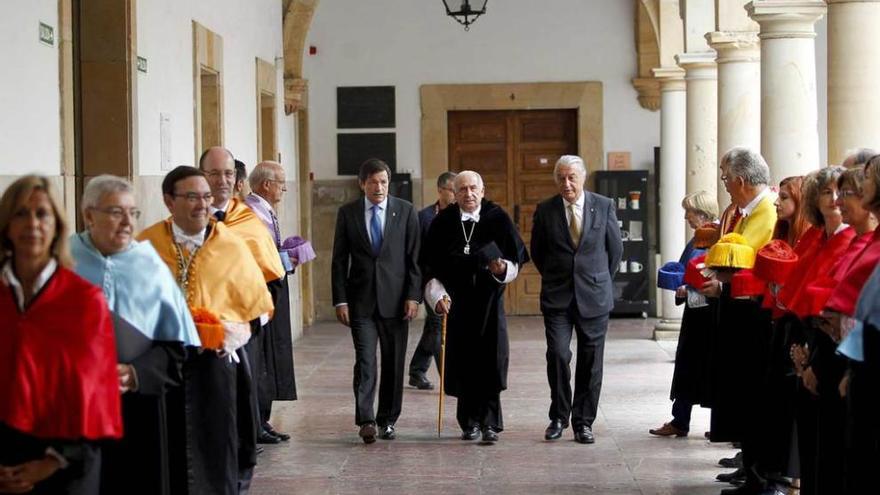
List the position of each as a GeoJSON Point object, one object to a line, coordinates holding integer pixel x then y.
{"type": "Point", "coordinates": [469, 190]}
{"type": "Point", "coordinates": [858, 157]}
{"type": "Point", "coordinates": [218, 164]}
{"type": "Point", "coordinates": [268, 181]}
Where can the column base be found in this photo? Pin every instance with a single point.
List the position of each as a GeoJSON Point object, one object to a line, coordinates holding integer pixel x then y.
{"type": "Point", "coordinates": [667, 329]}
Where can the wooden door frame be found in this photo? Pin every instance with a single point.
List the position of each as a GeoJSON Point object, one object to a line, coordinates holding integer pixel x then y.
{"type": "Point", "coordinates": [438, 99]}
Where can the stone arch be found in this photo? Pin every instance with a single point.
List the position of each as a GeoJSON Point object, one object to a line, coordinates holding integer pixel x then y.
{"type": "Point", "coordinates": [296, 22]}
{"type": "Point", "coordinates": [297, 19]}
{"type": "Point", "coordinates": [647, 34]}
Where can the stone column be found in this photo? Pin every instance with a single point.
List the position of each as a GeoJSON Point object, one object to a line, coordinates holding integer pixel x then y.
{"type": "Point", "coordinates": [739, 94]}
{"type": "Point", "coordinates": [853, 74]}
{"type": "Point", "coordinates": [673, 132]}
{"type": "Point", "coordinates": [789, 119]}
{"type": "Point", "coordinates": [701, 76]}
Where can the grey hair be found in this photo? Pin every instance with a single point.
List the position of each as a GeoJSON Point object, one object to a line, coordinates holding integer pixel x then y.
{"type": "Point", "coordinates": [468, 173]}
{"type": "Point", "coordinates": [570, 161]}
{"type": "Point", "coordinates": [101, 185]}
{"type": "Point", "coordinates": [445, 179]}
{"type": "Point", "coordinates": [858, 157]}
{"type": "Point", "coordinates": [262, 172]}
{"type": "Point", "coordinates": [748, 165]}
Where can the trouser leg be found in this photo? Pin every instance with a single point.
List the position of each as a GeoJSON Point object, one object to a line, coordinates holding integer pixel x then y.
{"type": "Point", "coordinates": [490, 411]}
{"type": "Point", "coordinates": [466, 412]}
{"type": "Point", "coordinates": [393, 335]}
{"type": "Point", "coordinates": [429, 345]}
{"type": "Point", "coordinates": [681, 414]}
{"type": "Point", "coordinates": [588, 373]}
{"type": "Point", "coordinates": [558, 329]}
{"type": "Point", "coordinates": [365, 336]}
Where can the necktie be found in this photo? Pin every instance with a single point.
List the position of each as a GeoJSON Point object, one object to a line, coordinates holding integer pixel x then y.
{"type": "Point", "coordinates": [376, 230]}
{"type": "Point", "coordinates": [220, 215]}
{"type": "Point", "coordinates": [573, 227]}
{"type": "Point", "coordinates": [737, 214]}
{"type": "Point", "coordinates": [277, 230]}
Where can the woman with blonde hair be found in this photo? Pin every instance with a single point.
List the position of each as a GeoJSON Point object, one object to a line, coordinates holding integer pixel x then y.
{"type": "Point", "coordinates": [688, 385]}
{"type": "Point", "coordinates": [58, 375]}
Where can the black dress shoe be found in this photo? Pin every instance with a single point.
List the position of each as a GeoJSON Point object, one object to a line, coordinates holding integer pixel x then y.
{"type": "Point", "coordinates": [387, 432]}
{"type": "Point", "coordinates": [737, 476]}
{"type": "Point", "coordinates": [267, 438]}
{"type": "Point", "coordinates": [732, 462]}
{"type": "Point", "coordinates": [471, 433]}
{"type": "Point", "coordinates": [490, 434]}
{"type": "Point", "coordinates": [272, 431]}
{"type": "Point", "coordinates": [420, 382]}
{"type": "Point", "coordinates": [368, 432]}
{"type": "Point", "coordinates": [554, 429]}
{"type": "Point", "coordinates": [584, 434]}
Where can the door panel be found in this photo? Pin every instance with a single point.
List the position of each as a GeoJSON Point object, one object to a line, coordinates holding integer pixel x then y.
{"type": "Point", "coordinates": [514, 152]}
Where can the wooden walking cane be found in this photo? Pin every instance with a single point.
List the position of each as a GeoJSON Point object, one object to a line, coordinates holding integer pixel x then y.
{"type": "Point", "coordinates": [442, 371]}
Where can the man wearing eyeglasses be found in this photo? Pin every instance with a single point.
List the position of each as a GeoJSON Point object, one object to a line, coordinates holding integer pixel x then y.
{"type": "Point", "coordinates": [218, 164]}
{"type": "Point", "coordinates": [214, 269]}
{"type": "Point", "coordinates": [276, 378]}
{"type": "Point", "coordinates": [429, 344]}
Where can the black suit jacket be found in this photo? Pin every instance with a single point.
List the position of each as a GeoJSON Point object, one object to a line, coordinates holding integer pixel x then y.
{"type": "Point", "coordinates": [583, 274]}
{"type": "Point", "coordinates": [367, 282]}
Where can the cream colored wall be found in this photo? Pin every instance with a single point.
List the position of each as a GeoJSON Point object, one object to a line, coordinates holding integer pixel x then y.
{"type": "Point", "coordinates": [30, 136]}
{"type": "Point", "coordinates": [410, 44]}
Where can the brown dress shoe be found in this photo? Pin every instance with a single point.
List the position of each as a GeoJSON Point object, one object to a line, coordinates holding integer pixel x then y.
{"type": "Point", "coordinates": [668, 430]}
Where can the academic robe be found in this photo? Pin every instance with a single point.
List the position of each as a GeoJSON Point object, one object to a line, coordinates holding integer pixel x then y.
{"type": "Point", "coordinates": [140, 289]}
{"type": "Point", "coordinates": [815, 263]}
{"type": "Point", "coordinates": [203, 419]}
{"type": "Point", "coordinates": [477, 348]}
{"type": "Point", "coordinates": [843, 299]}
{"type": "Point", "coordinates": [278, 381]}
{"type": "Point", "coordinates": [242, 221]}
{"type": "Point", "coordinates": [689, 377]}
{"type": "Point", "coordinates": [58, 380]}
{"type": "Point", "coordinates": [740, 345]}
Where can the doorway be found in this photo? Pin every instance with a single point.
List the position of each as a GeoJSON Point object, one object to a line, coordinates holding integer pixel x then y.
{"type": "Point", "coordinates": [514, 151]}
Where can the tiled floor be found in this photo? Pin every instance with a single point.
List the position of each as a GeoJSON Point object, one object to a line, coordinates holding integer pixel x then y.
{"type": "Point", "coordinates": [326, 455]}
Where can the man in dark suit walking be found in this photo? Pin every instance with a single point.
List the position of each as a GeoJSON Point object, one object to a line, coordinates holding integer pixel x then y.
{"type": "Point", "coordinates": [576, 247]}
{"type": "Point", "coordinates": [375, 251]}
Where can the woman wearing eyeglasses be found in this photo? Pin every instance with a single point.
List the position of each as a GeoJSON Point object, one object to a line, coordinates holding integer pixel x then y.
{"type": "Point", "coordinates": [153, 326]}
{"type": "Point", "coordinates": [59, 391]}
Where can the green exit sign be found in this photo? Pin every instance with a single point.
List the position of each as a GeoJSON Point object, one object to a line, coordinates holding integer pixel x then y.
{"type": "Point", "coordinates": [47, 34]}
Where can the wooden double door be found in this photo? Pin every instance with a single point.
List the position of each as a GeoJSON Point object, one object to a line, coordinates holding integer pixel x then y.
{"type": "Point", "coordinates": [514, 151]}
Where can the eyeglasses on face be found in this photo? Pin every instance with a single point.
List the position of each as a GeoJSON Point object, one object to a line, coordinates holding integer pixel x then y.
{"type": "Point", "coordinates": [194, 198]}
{"type": "Point", "coordinates": [118, 212]}
{"type": "Point", "coordinates": [848, 193]}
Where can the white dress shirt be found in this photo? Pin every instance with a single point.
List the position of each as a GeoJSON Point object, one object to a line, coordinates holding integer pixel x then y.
{"type": "Point", "coordinates": [12, 281]}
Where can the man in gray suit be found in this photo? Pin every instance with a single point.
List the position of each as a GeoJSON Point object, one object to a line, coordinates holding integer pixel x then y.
{"type": "Point", "coordinates": [375, 251]}
{"type": "Point", "coordinates": [576, 247]}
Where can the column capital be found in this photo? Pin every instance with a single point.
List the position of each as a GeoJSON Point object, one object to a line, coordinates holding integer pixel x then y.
{"type": "Point", "coordinates": [649, 92]}
{"type": "Point", "coordinates": [698, 65]}
{"type": "Point", "coordinates": [735, 46]}
{"type": "Point", "coordinates": [786, 18]}
{"type": "Point", "coordinates": [671, 78]}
